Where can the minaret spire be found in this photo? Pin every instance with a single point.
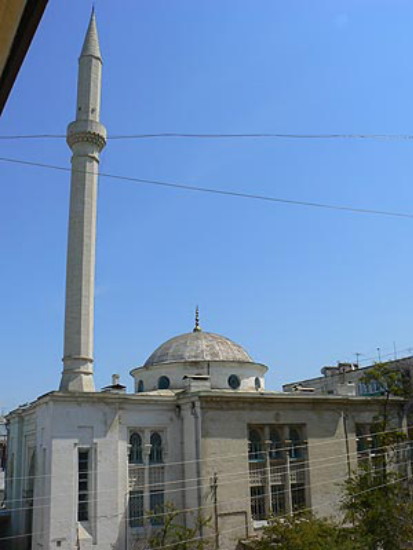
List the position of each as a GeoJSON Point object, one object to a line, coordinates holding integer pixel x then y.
{"type": "Point", "coordinates": [86, 137]}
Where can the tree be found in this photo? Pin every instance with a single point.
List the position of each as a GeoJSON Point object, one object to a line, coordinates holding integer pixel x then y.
{"type": "Point", "coordinates": [172, 534]}
{"type": "Point", "coordinates": [306, 532]}
{"type": "Point", "coordinates": [377, 497]}
{"type": "Point", "coordinates": [381, 511]}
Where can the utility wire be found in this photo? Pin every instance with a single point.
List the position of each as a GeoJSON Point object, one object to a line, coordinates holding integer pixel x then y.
{"type": "Point", "coordinates": [215, 191]}
{"type": "Point", "coordinates": [221, 458]}
{"type": "Point", "coordinates": [221, 476]}
{"type": "Point", "coordinates": [261, 135]}
{"type": "Point", "coordinates": [328, 502]}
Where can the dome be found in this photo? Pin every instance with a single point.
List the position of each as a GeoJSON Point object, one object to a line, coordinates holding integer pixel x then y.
{"type": "Point", "coordinates": [198, 346]}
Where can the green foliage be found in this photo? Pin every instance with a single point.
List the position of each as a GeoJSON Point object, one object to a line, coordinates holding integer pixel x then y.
{"type": "Point", "coordinates": [377, 498]}
{"type": "Point", "coordinates": [393, 381]}
{"type": "Point", "coordinates": [380, 507]}
{"type": "Point", "coordinates": [174, 535]}
{"type": "Point", "coordinates": [306, 532]}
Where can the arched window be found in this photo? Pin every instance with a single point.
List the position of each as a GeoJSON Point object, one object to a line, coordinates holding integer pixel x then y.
{"type": "Point", "coordinates": [156, 454]}
{"type": "Point", "coordinates": [163, 383]}
{"type": "Point", "coordinates": [255, 453]}
{"type": "Point", "coordinates": [275, 445]}
{"type": "Point", "coordinates": [297, 449]}
{"type": "Point", "coordinates": [141, 386]}
{"type": "Point", "coordinates": [135, 455]}
{"type": "Point", "coordinates": [257, 383]}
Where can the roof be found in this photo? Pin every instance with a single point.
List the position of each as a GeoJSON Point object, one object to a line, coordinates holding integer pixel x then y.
{"type": "Point", "coordinates": [18, 23]}
{"type": "Point", "coordinates": [198, 346]}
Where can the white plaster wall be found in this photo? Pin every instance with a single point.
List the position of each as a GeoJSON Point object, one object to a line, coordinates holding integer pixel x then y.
{"type": "Point", "coordinates": [210, 426]}
{"type": "Point", "coordinates": [218, 372]}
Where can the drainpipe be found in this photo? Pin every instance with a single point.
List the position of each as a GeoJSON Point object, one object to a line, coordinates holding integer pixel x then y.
{"type": "Point", "coordinates": [197, 425]}
{"type": "Point", "coordinates": [344, 417]}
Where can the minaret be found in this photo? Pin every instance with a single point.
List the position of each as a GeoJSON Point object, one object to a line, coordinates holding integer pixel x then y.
{"type": "Point", "coordinates": [86, 137]}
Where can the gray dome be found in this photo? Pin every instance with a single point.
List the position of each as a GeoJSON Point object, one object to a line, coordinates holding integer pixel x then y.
{"type": "Point", "coordinates": [198, 346]}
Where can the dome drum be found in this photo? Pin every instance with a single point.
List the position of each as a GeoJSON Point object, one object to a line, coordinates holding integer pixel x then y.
{"type": "Point", "coordinates": [221, 363]}
{"type": "Point", "coordinates": [221, 375]}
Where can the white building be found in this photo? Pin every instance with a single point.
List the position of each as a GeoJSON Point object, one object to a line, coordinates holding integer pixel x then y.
{"type": "Point", "coordinates": [86, 469]}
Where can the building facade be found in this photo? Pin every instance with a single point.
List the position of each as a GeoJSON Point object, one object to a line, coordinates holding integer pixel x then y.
{"type": "Point", "coordinates": [93, 469]}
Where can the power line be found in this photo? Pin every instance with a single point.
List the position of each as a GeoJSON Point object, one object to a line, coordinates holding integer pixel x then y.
{"type": "Point", "coordinates": [304, 465]}
{"type": "Point", "coordinates": [280, 469]}
{"type": "Point", "coordinates": [259, 135]}
{"type": "Point", "coordinates": [328, 502]}
{"type": "Point", "coordinates": [215, 191]}
{"type": "Point", "coordinates": [213, 459]}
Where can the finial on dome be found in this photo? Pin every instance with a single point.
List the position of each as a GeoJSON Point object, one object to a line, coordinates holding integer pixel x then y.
{"type": "Point", "coordinates": [197, 328]}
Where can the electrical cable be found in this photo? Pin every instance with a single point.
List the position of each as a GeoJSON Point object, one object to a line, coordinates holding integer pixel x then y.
{"type": "Point", "coordinates": [242, 475]}
{"type": "Point", "coordinates": [186, 510]}
{"type": "Point", "coordinates": [245, 454]}
{"type": "Point", "coordinates": [216, 191]}
{"type": "Point", "coordinates": [329, 502]}
{"type": "Point", "coordinates": [258, 135]}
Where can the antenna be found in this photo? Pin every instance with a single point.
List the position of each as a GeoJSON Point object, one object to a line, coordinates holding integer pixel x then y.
{"type": "Point", "coordinates": [379, 354]}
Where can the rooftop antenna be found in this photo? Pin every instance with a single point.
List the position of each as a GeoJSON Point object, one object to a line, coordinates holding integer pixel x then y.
{"type": "Point", "coordinates": [379, 354]}
{"type": "Point", "coordinates": [197, 328]}
{"type": "Point", "coordinates": [357, 354]}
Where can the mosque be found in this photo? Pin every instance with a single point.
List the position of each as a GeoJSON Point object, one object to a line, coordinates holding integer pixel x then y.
{"type": "Point", "coordinates": [94, 469]}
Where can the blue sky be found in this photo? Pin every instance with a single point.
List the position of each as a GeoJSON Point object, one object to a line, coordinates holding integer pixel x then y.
{"type": "Point", "coordinates": [298, 287]}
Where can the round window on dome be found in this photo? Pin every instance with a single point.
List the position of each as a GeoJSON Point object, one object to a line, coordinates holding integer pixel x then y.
{"type": "Point", "coordinates": [234, 382]}
{"type": "Point", "coordinates": [141, 387]}
{"type": "Point", "coordinates": [257, 383]}
{"type": "Point", "coordinates": [163, 383]}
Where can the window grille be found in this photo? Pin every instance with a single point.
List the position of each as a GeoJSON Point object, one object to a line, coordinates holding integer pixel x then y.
{"type": "Point", "coordinates": [136, 478]}
{"type": "Point", "coordinates": [258, 503]}
{"type": "Point", "coordinates": [156, 476]}
{"type": "Point", "coordinates": [257, 474]}
{"type": "Point", "coordinates": [156, 504]}
{"type": "Point", "coordinates": [275, 445]}
{"type": "Point", "coordinates": [278, 500]}
{"type": "Point", "coordinates": [136, 508]}
{"type": "Point", "coordinates": [296, 450]}
{"type": "Point", "coordinates": [256, 452]}
{"type": "Point", "coordinates": [83, 485]}
{"type": "Point", "coordinates": [298, 496]}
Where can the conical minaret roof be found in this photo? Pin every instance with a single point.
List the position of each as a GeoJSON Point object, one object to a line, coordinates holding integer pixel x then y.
{"type": "Point", "coordinates": [91, 43]}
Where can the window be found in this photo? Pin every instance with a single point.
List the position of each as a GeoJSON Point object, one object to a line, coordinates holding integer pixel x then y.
{"type": "Point", "coordinates": [298, 496]}
{"type": "Point", "coordinates": [83, 485]}
{"type": "Point", "coordinates": [135, 455]}
{"type": "Point", "coordinates": [146, 473]}
{"type": "Point", "coordinates": [156, 454]}
{"type": "Point", "coordinates": [275, 445]}
{"type": "Point", "coordinates": [234, 382]}
{"type": "Point", "coordinates": [141, 387]}
{"type": "Point", "coordinates": [278, 500]}
{"type": "Point", "coordinates": [156, 505]}
{"type": "Point", "coordinates": [296, 451]}
{"type": "Point", "coordinates": [277, 478]}
{"type": "Point", "coordinates": [363, 438]}
{"type": "Point", "coordinates": [258, 503]}
{"type": "Point", "coordinates": [163, 383]}
{"type": "Point", "coordinates": [257, 383]}
{"type": "Point", "coordinates": [136, 508]}
{"type": "Point", "coordinates": [256, 453]}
